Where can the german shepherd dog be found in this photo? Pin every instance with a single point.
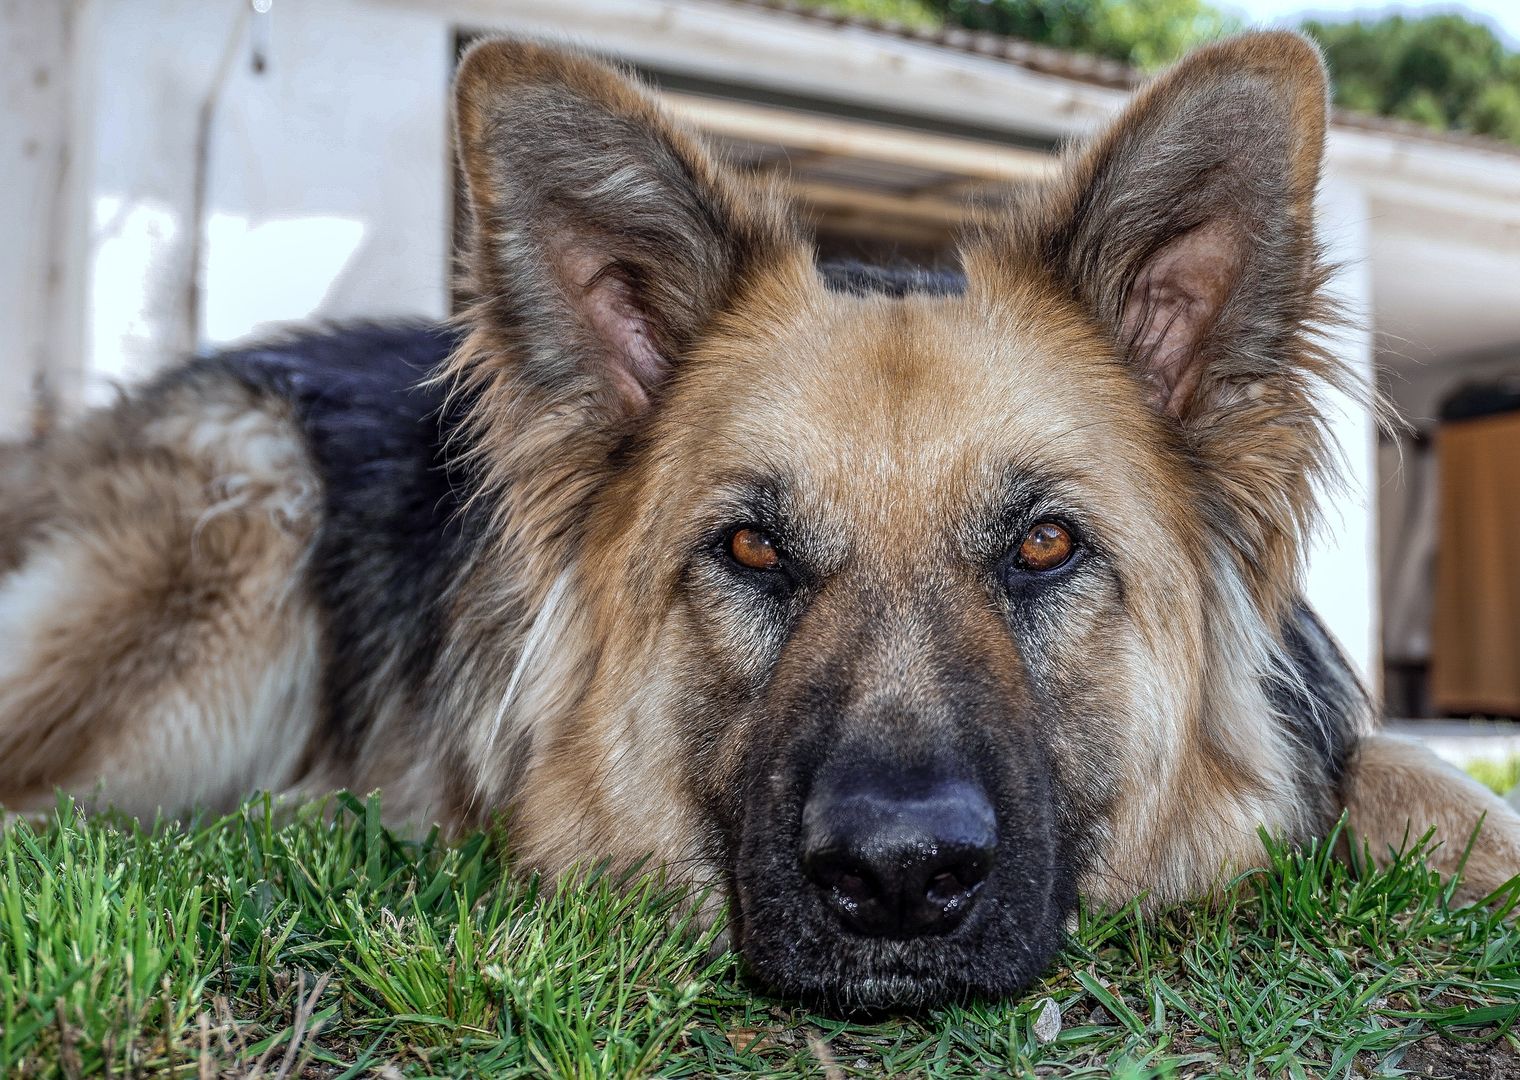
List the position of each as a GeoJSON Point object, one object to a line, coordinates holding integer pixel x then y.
{"type": "Point", "coordinates": [900, 609]}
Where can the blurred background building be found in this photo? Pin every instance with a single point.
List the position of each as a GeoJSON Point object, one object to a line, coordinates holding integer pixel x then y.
{"type": "Point", "coordinates": [179, 174]}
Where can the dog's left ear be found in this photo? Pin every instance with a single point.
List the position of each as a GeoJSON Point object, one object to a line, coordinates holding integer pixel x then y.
{"type": "Point", "coordinates": [1187, 228]}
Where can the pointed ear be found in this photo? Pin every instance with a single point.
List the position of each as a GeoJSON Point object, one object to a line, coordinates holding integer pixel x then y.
{"type": "Point", "coordinates": [603, 237]}
{"type": "Point", "coordinates": [1187, 227]}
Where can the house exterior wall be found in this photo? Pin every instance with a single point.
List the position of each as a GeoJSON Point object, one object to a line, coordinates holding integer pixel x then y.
{"type": "Point", "coordinates": [253, 169]}
{"type": "Point", "coordinates": [243, 171]}
{"type": "Point", "coordinates": [39, 81]}
{"type": "Point", "coordinates": [1342, 573]}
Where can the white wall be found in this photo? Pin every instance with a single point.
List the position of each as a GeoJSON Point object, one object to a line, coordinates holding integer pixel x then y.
{"type": "Point", "coordinates": [37, 82]}
{"type": "Point", "coordinates": [216, 200]}
{"type": "Point", "coordinates": [330, 178]}
{"type": "Point", "coordinates": [1342, 574]}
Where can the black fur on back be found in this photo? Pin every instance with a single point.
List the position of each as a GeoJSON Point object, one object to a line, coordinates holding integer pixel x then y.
{"type": "Point", "coordinates": [393, 531]}
{"type": "Point", "coordinates": [1322, 700]}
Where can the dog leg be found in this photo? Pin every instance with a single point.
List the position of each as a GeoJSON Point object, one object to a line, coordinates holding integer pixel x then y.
{"type": "Point", "coordinates": [1395, 790]}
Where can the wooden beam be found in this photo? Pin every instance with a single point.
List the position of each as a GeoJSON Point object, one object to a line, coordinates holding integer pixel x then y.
{"type": "Point", "coordinates": [838, 137]}
{"type": "Point", "coordinates": [958, 187]}
{"type": "Point", "coordinates": [841, 203]}
{"type": "Point", "coordinates": [786, 162]}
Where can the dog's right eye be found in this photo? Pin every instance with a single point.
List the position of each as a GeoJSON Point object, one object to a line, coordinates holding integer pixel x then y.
{"type": "Point", "coordinates": [753, 549]}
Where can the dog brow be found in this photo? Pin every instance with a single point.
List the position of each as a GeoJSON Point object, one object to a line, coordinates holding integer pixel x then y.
{"type": "Point", "coordinates": [1020, 493]}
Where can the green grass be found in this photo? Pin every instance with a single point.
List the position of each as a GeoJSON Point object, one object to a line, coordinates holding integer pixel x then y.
{"type": "Point", "coordinates": [1500, 777]}
{"type": "Point", "coordinates": [318, 944]}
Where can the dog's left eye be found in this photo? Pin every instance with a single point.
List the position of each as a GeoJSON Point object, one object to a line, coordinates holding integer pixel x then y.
{"type": "Point", "coordinates": [753, 549]}
{"type": "Point", "coordinates": [1045, 547]}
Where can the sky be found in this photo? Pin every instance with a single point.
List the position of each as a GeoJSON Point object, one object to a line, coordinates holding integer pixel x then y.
{"type": "Point", "coordinates": [1502, 15]}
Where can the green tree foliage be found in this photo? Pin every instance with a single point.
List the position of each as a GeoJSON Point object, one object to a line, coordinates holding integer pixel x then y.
{"type": "Point", "coordinates": [1443, 71]}
{"type": "Point", "coordinates": [1146, 33]}
{"type": "Point", "coordinates": [906, 12]}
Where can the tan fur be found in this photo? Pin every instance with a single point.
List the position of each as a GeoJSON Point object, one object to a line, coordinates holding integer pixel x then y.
{"type": "Point", "coordinates": [155, 650]}
{"type": "Point", "coordinates": [884, 368]}
{"type": "Point", "coordinates": [1396, 789]}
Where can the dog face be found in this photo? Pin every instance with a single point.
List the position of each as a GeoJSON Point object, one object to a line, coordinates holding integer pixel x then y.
{"type": "Point", "coordinates": [902, 626]}
{"type": "Point", "coordinates": [901, 619]}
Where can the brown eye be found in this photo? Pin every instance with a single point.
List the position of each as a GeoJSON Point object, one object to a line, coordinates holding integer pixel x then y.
{"type": "Point", "coordinates": [1046, 546]}
{"type": "Point", "coordinates": [753, 549]}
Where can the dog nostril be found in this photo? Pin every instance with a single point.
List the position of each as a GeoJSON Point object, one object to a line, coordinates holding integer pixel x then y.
{"type": "Point", "coordinates": [898, 858]}
{"type": "Point", "coordinates": [852, 887]}
{"type": "Point", "coordinates": [848, 888]}
{"type": "Point", "coordinates": [946, 888]}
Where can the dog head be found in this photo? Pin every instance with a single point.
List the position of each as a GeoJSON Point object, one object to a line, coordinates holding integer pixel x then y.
{"type": "Point", "coordinates": [900, 615]}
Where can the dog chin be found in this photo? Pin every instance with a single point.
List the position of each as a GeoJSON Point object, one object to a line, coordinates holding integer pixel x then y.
{"type": "Point", "coordinates": [846, 974]}
{"type": "Point", "coordinates": [880, 978]}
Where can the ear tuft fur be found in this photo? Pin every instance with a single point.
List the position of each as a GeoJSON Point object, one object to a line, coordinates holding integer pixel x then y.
{"type": "Point", "coordinates": [603, 239]}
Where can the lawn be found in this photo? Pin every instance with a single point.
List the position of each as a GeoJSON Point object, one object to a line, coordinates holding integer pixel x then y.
{"type": "Point", "coordinates": [318, 944]}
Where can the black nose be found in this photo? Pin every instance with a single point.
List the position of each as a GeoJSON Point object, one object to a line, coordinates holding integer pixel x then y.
{"type": "Point", "coordinates": [898, 854]}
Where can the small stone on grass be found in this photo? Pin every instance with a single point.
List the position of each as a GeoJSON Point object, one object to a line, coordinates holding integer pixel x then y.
{"type": "Point", "coordinates": [1047, 1025]}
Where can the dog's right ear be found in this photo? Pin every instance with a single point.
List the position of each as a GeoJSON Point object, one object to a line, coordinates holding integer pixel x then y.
{"type": "Point", "coordinates": [603, 237]}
